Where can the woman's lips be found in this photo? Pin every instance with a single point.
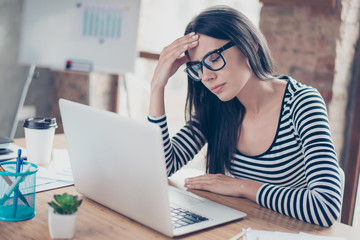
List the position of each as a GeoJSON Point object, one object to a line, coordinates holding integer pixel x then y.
{"type": "Point", "coordinates": [217, 88]}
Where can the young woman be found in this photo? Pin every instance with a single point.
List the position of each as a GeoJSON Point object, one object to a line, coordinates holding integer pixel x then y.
{"type": "Point", "coordinates": [267, 136]}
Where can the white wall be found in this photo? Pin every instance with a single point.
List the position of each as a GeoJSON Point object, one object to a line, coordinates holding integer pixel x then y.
{"type": "Point", "coordinates": [12, 75]}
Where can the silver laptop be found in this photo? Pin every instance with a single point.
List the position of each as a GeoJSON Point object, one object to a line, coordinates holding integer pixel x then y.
{"type": "Point", "coordinates": [119, 163]}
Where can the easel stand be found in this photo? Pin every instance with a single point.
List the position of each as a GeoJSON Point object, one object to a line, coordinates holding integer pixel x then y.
{"type": "Point", "coordinates": [123, 104]}
{"type": "Point", "coordinates": [31, 74]}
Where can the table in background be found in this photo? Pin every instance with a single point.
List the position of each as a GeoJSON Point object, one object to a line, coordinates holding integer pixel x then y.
{"type": "Point", "coordinates": [98, 222]}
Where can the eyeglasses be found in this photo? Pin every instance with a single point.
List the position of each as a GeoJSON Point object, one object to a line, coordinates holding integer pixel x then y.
{"type": "Point", "coordinates": [213, 61]}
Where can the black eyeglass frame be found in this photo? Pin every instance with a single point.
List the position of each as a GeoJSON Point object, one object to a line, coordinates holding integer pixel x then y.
{"type": "Point", "coordinates": [202, 63]}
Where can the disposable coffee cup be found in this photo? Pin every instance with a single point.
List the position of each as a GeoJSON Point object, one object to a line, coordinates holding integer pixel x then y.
{"type": "Point", "coordinates": [39, 136]}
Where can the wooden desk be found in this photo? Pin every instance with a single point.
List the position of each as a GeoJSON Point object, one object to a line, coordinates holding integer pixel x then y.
{"type": "Point", "coordinates": [98, 222]}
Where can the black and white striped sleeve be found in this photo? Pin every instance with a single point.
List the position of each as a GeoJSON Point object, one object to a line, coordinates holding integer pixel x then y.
{"type": "Point", "coordinates": [182, 147]}
{"type": "Point", "coordinates": [320, 202]}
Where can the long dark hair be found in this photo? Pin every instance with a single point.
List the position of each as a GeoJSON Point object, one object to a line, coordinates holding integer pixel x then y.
{"type": "Point", "coordinates": [221, 121]}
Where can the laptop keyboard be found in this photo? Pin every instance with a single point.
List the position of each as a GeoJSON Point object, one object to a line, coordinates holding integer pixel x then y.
{"type": "Point", "coordinates": [181, 217]}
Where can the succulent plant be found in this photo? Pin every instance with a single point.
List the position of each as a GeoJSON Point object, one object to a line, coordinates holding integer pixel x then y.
{"type": "Point", "coordinates": [65, 203]}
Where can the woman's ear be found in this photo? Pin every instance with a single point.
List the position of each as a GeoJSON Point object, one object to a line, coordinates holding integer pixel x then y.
{"type": "Point", "coordinates": [248, 63]}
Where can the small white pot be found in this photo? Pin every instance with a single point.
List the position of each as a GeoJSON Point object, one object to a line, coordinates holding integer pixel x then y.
{"type": "Point", "coordinates": [60, 225]}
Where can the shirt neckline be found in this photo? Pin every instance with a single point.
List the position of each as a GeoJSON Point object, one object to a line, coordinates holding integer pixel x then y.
{"type": "Point", "coordinates": [278, 125]}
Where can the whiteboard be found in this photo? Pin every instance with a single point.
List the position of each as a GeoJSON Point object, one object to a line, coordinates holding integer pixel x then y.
{"type": "Point", "coordinates": [102, 32]}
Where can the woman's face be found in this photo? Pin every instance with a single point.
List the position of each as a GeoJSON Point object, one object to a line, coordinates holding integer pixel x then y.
{"type": "Point", "coordinates": [228, 82]}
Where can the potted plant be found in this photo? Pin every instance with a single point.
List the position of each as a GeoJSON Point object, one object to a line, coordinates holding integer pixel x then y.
{"type": "Point", "coordinates": [62, 215]}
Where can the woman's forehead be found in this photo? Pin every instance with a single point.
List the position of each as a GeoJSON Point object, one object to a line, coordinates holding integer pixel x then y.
{"type": "Point", "coordinates": [206, 44]}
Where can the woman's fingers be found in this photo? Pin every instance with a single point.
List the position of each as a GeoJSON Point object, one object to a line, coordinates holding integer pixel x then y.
{"type": "Point", "coordinates": [180, 45]}
{"type": "Point", "coordinates": [189, 42]}
{"type": "Point", "coordinates": [182, 41]}
{"type": "Point", "coordinates": [187, 47]}
{"type": "Point", "coordinates": [217, 183]}
{"type": "Point", "coordinates": [201, 182]}
{"type": "Point", "coordinates": [172, 57]}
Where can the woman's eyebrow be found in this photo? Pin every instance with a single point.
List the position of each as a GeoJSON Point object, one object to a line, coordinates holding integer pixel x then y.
{"type": "Point", "coordinates": [208, 53]}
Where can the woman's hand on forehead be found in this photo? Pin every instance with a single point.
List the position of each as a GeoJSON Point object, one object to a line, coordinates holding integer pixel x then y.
{"type": "Point", "coordinates": [172, 57]}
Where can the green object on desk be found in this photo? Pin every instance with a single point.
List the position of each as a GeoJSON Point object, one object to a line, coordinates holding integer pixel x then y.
{"type": "Point", "coordinates": [65, 203]}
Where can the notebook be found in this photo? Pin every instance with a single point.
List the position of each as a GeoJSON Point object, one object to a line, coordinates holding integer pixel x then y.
{"type": "Point", "coordinates": [119, 163]}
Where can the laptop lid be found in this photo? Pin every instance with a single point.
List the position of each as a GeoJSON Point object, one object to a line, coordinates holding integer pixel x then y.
{"type": "Point", "coordinates": [119, 163]}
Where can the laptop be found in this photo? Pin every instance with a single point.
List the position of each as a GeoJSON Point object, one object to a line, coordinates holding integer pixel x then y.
{"type": "Point", "coordinates": [119, 162]}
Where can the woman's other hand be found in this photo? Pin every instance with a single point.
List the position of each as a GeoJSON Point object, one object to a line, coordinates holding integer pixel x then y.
{"type": "Point", "coordinates": [225, 185]}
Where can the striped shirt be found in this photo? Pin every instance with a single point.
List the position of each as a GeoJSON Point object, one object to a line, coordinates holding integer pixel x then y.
{"type": "Point", "coordinates": [300, 171]}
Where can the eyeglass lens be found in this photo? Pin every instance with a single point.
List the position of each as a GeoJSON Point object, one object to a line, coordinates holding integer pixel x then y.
{"type": "Point", "coordinates": [213, 62]}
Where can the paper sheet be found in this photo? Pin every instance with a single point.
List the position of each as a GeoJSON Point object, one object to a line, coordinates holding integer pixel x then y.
{"type": "Point", "coordinates": [273, 235]}
{"type": "Point", "coordinates": [308, 236]}
{"type": "Point", "coordinates": [43, 184]}
{"type": "Point", "coordinates": [58, 174]}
